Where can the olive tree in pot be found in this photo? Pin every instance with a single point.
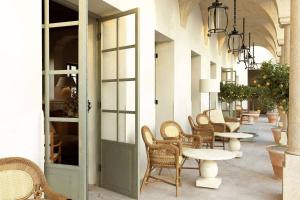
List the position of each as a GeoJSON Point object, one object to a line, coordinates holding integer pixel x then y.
{"type": "Point", "coordinates": [275, 79]}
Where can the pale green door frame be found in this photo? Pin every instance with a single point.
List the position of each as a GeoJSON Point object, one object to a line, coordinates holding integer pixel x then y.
{"type": "Point", "coordinates": [119, 102]}
{"type": "Point", "coordinates": [68, 179]}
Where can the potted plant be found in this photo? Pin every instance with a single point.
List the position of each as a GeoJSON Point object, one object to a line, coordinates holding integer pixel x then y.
{"type": "Point", "coordinates": [274, 78]}
{"type": "Point", "coordinates": [253, 95]}
{"type": "Point", "coordinates": [228, 93]}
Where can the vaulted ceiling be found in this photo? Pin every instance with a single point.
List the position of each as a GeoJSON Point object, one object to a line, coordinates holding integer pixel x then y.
{"type": "Point", "coordinates": [262, 19]}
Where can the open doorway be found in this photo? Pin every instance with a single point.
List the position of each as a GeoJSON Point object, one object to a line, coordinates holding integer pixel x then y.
{"type": "Point", "coordinates": [195, 77]}
{"type": "Point", "coordinates": [213, 96]}
{"type": "Point", "coordinates": [164, 80]}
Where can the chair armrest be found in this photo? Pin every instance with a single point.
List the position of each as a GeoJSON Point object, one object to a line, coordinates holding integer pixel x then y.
{"type": "Point", "coordinates": [57, 145]}
{"type": "Point", "coordinates": [219, 127]}
{"type": "Point", "coordinates": [196, 140]}
{"type": "Point", "coordinates": [231, 119]}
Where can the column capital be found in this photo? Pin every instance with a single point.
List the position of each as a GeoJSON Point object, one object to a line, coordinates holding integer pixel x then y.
{"type": "Point", "coordinates": [280, 41]}
{"type": "Point", "coordinates": [284, 21]}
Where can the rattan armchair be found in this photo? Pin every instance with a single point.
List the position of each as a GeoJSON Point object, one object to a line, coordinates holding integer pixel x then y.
{"type": "Point", "coordinates": [22, 179]}
{"type": "Point", "coordinates": [171, 130]}
{"type": "Point", "coordinates": [204, 129]}
{"type": "Point", "coordinates": [162, 154]}
{"type": "Point", "coordinates": [55, 145]}
{"type": "Point", "coordinates": [220, 123]}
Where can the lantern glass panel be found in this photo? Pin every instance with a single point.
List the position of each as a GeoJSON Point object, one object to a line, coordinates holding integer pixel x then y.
{"type": "Point", "coordinates": [235, 43]}
{"type": "Point", "coordinates": [217, 21]}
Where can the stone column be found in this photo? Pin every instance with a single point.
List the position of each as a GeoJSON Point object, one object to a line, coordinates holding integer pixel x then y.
{"type": "Point", "coordinates": [287, 43]}
{"type": "Point", "coordinates": [291, 177]}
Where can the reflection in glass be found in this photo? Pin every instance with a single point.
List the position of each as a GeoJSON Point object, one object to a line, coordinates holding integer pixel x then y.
{"type": "Point", "coordinates": [110, 34]}
{"type": "Point", "coordinates": [64, 143]}
{"type": "Point", "coordinates": [61, 13]}
{"type": "Point", "coordinates": [108, 126]}
{"type": "Point", "coordinates": [109, 69]}
{"type": "Point", "coordinates": [127, 128]}
{"type": "Point", "coordinates": [127, 95]}
{"type": "Point", "coordinates": [63, 47]}
{"type": "Point", "coordinates": [63, 95]}
{"type": "Point", "coordinates": [109, 96]}
{"type": "Point", "coordinates": [127, 63]}
{"type": "Point", "coordinates": [127, 30]}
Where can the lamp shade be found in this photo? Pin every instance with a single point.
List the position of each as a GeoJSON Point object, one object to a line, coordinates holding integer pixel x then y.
{"type": "Point", "coordinates": [209, 85]}
{"type": "Point", "coordinates": [65, 81]}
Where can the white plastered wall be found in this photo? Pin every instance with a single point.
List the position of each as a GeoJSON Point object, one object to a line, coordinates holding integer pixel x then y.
{"type": "Point", "coordinates": [153, 16]}
{"type": "Point", "coordinates": [21, 117]}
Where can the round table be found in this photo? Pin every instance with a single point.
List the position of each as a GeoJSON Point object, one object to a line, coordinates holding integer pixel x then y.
{"type": "Point", "coordinates": [234, 142]}
{"type": "Point", "coordinates": [209, 167]}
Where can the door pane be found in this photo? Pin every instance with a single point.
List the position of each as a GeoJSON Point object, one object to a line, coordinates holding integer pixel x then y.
{"type": "Point", "coordinates": [63, 95]}
{"type": "Point", "coordinates": [127, 63]}
{"type": "Point", "coordinates": [109, 69]}
{"type": "Point", "coordinates": [109, 126]}
{"type": "Point", "coordinates": [63, 47]}
{"type": "Point", "coordinates": [127, 30]}
{"type": "Point", "coordinates": [127, 128]}
{"type": "Point", "coordinates": [61, 13]}
{"type": "Point", "coordinates": [64, 143]}
{"type": "Point", "coordinates": [109, 96]}
{"type": "Point", "coordinates": [127, 95]}
{"type": "Point", "coordinates": [110, 34]}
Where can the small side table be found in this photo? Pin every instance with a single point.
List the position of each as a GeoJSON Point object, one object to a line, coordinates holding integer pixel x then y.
{"type": "Point", "coordinates": [209, 167]}
{"type": "Point", "coordinates": [234, 142]}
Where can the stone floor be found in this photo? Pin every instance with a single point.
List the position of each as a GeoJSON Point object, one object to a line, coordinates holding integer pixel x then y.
{"type": "Point", "coordinates": [248, 178]}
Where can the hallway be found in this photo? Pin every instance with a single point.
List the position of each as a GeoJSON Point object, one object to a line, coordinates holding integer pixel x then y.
{"type": "Point", "coordinates": [244, 179]}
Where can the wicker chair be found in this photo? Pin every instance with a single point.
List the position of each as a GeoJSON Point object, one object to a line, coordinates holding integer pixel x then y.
{"type": "Point", "coordinates": [220, 124]}
{"type": "Point", "coordinates": [204, 129]}
{"type": "Point", "coordinates": [22, 179]}
{"type": "Point", "coordinates": [171, 130]}
{"type": "Point", "coordinates": [162, 154]}
{"type": "Point", "coordinates": [55, 145]}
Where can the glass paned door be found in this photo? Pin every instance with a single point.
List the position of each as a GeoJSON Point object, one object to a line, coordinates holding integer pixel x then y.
{"type": "Point", "coordinates": [119, 98]}
{"type": "Point", "coordinates": [64, 96]}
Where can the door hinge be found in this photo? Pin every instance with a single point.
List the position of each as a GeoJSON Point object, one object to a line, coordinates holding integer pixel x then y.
{"type": "Point", "coordinates": [99, 104]}
{"type": "Point", "coordinates": [156, 55]}
{"type": "Point", "coordinates": [156, 101]}
{"type": "Point", "coordinates": [99, 36]}
{"type": "Point", "coordinates": [99, 168]}
{"type": "Point", "coordinates": [89, 107]}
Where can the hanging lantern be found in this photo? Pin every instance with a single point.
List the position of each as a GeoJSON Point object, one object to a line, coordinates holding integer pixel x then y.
{"type": "Point", "coordinates": [252, 63]}
{"type": "Point", "coordinates": [243, 53]}
{"type": "Point", "coordinates": [217, 18]}
{"type": "Point", "coordinates": [235, 38]}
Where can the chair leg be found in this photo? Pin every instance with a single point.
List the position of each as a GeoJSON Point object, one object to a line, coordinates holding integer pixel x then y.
{"type": "Point", "coordinates": [223, 143]}
{"type": "Point", "coordinates": [177, 181]}
{"type": "Point", "coordinates": [160, 170]}
{"type": "Point", "coordinates": [180, 180]}
{"type": "Point", "coordinates": [199, 164]}
{"type": "Point", "coordinates": [146, 177]}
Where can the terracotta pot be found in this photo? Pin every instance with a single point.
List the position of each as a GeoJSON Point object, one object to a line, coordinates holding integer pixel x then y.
{"type": "Point", "coordinates": [276, 134]}
{"type": "Point", "coordinates": [276, 154]}
{"type": "Point", "coordinates": [255, 112]}
{"type": "Point", "coordinates": [272, 117]}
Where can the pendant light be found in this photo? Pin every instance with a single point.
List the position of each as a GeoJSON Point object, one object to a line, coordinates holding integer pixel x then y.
{"type": "Point", "coordinates": [217, 18]}
{"type": "Point", "coordinates": [252, 63]}
{"type": "Point", "coordinates": [234, 38]}
{"type": "Point", "coordinates": [243, 54]}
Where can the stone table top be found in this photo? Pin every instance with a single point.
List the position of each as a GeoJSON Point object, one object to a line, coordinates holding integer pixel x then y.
{"type": "Point", "coordinates": [233, 135]}
{"type": "Point", "coordinates": [209, 154]}
{"type": "Point", "coordinates": [250, 114]}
